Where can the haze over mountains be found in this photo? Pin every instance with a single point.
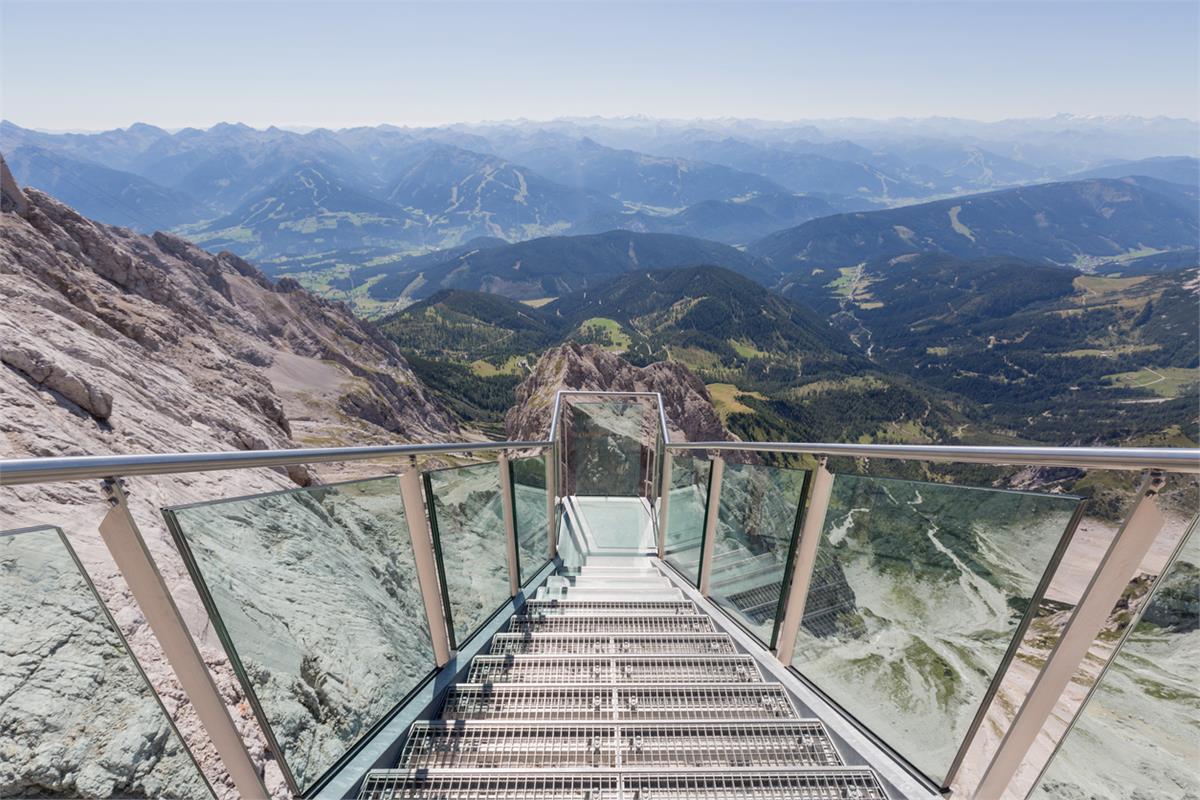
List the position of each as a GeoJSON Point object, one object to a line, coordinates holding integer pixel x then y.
{"type": "Point", "coordinates": [940, 278]}
{"type": "Point", "coordinates": [324, 200]}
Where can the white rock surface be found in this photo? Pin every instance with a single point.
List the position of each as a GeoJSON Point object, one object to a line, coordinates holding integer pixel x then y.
{"type": "Point", "coordinates": [113, 342]}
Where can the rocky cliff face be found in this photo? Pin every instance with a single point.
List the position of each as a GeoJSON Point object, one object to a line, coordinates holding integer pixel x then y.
{"type": "Point", "coordinates": [112, 342]}
{"type": "Point", "coordinates": [587, 367]}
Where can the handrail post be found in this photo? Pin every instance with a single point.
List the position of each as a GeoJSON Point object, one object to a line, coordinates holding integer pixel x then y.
{"type": "Point", "coordinates": [1112, 576]}
{"type": "Point", "coordinates": [124, 541]}
{"type": "Point", "coordinates": [412, 496]}
{"type": "Point", "coordinates": [552, 501]}
{"type": "Point", "coordinates": [510, 523]}
{"type": "Point", "coordinates": [804, 561]}
{"type": "Point", "coordinates": [715, 476]}
{"type": "Point", "coordinates": [664, 495]}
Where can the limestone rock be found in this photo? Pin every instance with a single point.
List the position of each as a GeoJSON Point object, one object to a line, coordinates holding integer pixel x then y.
{"type": "Point", "coordinates": [113, 342]}
{"type": "Point", "coordinates": [587, 367]}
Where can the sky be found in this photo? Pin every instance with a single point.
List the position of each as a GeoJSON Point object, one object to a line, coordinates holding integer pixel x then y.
{"type": "Point", "coordinates": [175, 63]}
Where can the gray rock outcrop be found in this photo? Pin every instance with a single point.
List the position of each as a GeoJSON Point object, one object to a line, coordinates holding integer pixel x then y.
{"type": "Point", "coordinates": [113, 342]}
{"type": "Point", "coordinates": [587, 367]}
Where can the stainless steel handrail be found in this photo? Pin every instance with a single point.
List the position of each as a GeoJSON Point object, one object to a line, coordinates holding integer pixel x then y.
{"type": "Point", "coordinates": [1168, 459]}
{"type": "Point", "coordinates": [14, 472]}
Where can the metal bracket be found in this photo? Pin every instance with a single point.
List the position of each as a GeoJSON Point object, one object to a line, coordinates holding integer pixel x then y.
{"type": "Point", "coordinates": [419, 534]}
{"type": "Point", "coordinates": [664, 496]}
{"type": "Point", "coordinates": [510, 523]}
{"type": "Point", "coordinates": [1116, 569]}
{"type": "Point", "coordinates": [715, 476]}
{"type": "Point", "coordinates": [804, 561]}
{"type": "Point", "coordinates": [120, 533]}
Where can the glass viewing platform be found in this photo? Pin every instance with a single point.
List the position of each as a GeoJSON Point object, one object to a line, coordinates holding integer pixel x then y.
{"type": "Point", "coordinates": [611, 612]}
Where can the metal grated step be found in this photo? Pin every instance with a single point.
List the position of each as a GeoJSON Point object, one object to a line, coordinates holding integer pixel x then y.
{"type": "Point", "coordinates": [698, 702]}
{"type": "Point", "coordinates": [838, 783]}
{"type": "Point", "coordinates": [679, 623]}
{"type": "Point", "coordinates": [614, 669]}
{"type": "Point", "coordinates": [596, 607]}
{"type": "Point", "coordinates": [400, 785]}
{"type": "Point", "coordinates": [603, 644]}
{"type": "Point", "coordinates": [499, 745]}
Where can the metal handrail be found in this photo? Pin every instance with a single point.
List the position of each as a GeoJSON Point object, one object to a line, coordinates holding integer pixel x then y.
{"type": "Point", "coordinates": [1168, 459]}
{"type": "Point", "coordinates": [14, 472]}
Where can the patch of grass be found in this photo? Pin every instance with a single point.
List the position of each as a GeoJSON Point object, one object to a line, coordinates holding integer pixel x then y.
{"type": "Point", "coordinates": [486, 369]}
{"type": "Point", "coordinates": [726, 396]}
{"type": "Point", "coordinates": [937, 351]}
{"type": "Point", "coordinates": [746, 349]}
{"type": "Point", "coordinates": [695, 359]}
{"type": "Point", "coordinates": [1163, 381]}
{"type": "Point", "coordinates": [538, 302]}
{"type": "Point", "coordinates": [605, 332]}
{"type": "Point", "coordinates": [1108, 352]}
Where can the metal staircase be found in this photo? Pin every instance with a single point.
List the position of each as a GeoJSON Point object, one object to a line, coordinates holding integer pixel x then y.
{"type": "Point", "coordinates": [610, 684]}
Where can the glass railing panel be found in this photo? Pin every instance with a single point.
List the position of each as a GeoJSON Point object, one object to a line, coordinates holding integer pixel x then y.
{"type": "Point", "coordinates": [755, 525]}
{"type": "Point", "coordinates": [917, 592]}
{"type": "Point", "coordinates": [529, 508]}
{"type": "Point", "coordinates": [605, 447]}
{"type": "Point", "coordinates": [1139, 734]}
{"type": "Point", "coordinates": [686, 504]}
{"type": "Point", "coordinates": [77, 715]}
{"type": "Point", "coordinates": [468, 532]}
{"type": "Point", "coordinates": [314, 593]}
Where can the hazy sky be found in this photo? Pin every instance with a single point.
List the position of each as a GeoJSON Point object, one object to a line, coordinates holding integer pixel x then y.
{"type": "Point", "coordinates": [173, 63]}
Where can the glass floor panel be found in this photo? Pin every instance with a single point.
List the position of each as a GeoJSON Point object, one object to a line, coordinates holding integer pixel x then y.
{"type": "Point", "coordinates": [617, 523]}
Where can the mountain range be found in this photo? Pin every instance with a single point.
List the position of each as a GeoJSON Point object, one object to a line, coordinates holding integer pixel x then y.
{"type": "Point", "coordinates": [323, 203]}
{"type": "Point", "coordinates": [1081, 223]}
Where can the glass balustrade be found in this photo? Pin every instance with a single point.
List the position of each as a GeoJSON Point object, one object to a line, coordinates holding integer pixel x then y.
{"type": "Point", "coordinates": [756, 523]}
{"type": "Point", "coordinates": [606, 444]}
{"type": "Point", "coordinates": [1139, 734]}
{"type": "Point", "coordinates": [314, 594]}
{"type": "Point", "coordinates": [529, 508]}
{"type": "Point", "coordinates": [917, 593]}
{"type": "Point", "coordinates": [686, 505]}
{"type": "Point", "coordinates": [78, 717]}
{"type": "Point", "coordinates": [468, 533]}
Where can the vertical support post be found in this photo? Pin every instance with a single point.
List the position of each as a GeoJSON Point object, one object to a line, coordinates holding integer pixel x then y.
{"type": "Point", "coordinates": [510, 524]}
{"type": "Point", "coordinates": [716, 473]}
{"type": "Point", "coordinates": [664, 495]}
{"type": "Point", "coordinates": [120, 533]}
{"type": "Point", "coordinates": [1116, 569]}
{"type": "Point", "coordinates": [804, 560]}
{"type": "Point", "coordinates": [425, 560]}
{"type": "Point", "coordinates": [552, 500]}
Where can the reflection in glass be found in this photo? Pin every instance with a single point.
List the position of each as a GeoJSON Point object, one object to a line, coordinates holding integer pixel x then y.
{"type": "Point", "coordinates": [469, 532]}
{"type": "Point", "coordinates": [529, 508]}
{"type": "Point", "coordinates": [604, 448]}
{"type": "Point", "coordinates": [616, 524]}
{"type": "Point", "coordinates": [1139, 734]}
{"type": "Point", "coordinates": [755, 523]}
{"type": "Point", "coordinates": [77, 716]}
{"type": "Point", "coordinates": [316, 595]}
{"type": "Point", "coordinates": [917, 591]}
{"type": "Point", "coordinates": [688, 495]}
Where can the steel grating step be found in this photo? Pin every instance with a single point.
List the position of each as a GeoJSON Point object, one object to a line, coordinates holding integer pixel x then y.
{"type": "Point", "coordinates": [602, 644]}
{"type": "Point", "coordinates": [836, 783]}
{"type": "Point", "coordinates": [624, 607]}
{"type": "Point", "coordinates": [599, 592]}
{"type": "Point", "coordinates": [696, 702]}
{"type": "Point", "coordinates": [499, 745]}
{"type": "Point", "coordinates": [575, 669]}
{"type": "Point", "coordinates": [591, 623]}
{"type": "Point", "coordinates": [815, 783]}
